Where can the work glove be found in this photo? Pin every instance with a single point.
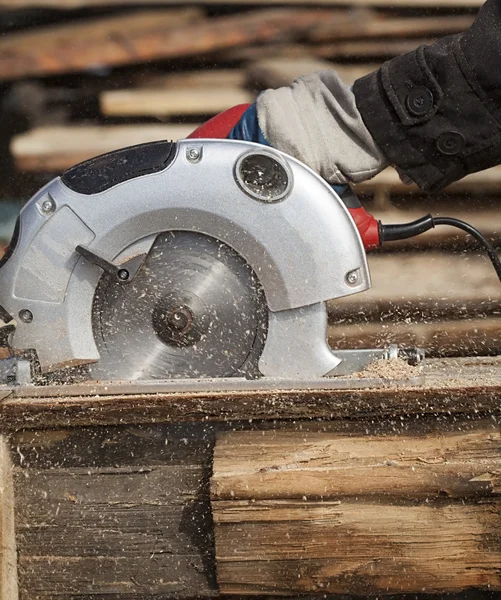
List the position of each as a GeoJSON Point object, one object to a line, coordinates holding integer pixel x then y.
{"type": "Point", "coordinates": [316, 120]}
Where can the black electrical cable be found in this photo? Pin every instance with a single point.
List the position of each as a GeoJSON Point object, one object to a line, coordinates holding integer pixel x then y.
{"type": "Point", "coordinates": [388, 233]}
{"type": "Point", "coordinates": [475, 233]}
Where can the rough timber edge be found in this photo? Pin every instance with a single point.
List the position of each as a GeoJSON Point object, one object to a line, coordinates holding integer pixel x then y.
{"type": "Point", "coordinates": [470, 386]}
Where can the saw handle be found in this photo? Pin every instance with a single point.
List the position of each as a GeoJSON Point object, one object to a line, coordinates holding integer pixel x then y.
{"type": "Point", "coordinates": [367, 225]}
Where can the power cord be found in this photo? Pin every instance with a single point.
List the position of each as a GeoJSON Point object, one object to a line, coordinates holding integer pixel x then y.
{"type": "Point", "coordinates": [390, 233]}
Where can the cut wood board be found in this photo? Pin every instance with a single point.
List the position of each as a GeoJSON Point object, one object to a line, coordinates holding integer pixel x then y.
{"type": "Point", "coordinates": [467, 336]}
{"type": "Point", "coordinates": [366, 26]}
{"type": "Point", "coordinates": [57, 148]}
{"type": "Point", "coordinates": [144, 36]}
{"type": "Point", "coordinates": [8, 547]}
{"type": "Point", "coordinates": [193, 79]}
{"type": "Point", "coordinates": [69, 4]}
{"type": "Point", "coordinates": [277, 72]}
{"type": "Point", "coordinates": [89, 44]}
{"type": "Point", "coordinates": [371, 49]}
{"type": "Point", "coordinates": [467, 386]}
{"type": "Point", "coordinates": [119, 514]}
{"type": "Point", "coordinates": [169, 102]}
{"type": "Point", "coordinates": [304, 513]}
{"type": "Point", "coordinates": [430, 280]}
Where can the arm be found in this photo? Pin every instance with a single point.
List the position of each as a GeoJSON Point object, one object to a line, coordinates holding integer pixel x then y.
{"type": "Point", "coordinates": [436, 112]}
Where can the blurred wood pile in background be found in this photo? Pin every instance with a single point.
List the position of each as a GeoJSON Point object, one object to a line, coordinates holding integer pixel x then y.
{"type": "Point", "coordinates": [81, 77]}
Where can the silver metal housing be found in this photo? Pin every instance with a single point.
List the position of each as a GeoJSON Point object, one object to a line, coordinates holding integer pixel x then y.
{"type": "Point", "coordinates": [302, 248]}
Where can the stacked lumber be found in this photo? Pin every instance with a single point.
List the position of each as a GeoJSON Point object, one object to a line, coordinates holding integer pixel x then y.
{"type": "Point", "coordinates": [84, 82]}
{"type": "Point", "coordinates": [202, 495]}
{"type": "Point", "coordinates": [346, 514]}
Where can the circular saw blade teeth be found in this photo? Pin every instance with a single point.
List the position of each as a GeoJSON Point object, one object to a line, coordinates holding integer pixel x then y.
{"type": "Point", "coordinates": [195, 309]}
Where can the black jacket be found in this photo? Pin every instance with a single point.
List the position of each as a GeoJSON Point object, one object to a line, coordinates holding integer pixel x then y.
{"type": "Point", "coordinates": [436, 112]}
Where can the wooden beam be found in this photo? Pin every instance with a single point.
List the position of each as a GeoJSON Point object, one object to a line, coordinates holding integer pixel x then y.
{"type": "Point", "coordinates": [56, 148]}
{"type": "Point", "coordinates": [197, 78]}
{"type": "Point", "coordinates": [452, 386]}
{"type": "Point", "coordinates": [86, 44]}
{"type": "Point", "coordinates": [388, 180]}
{"type": "Point", "coordinates": [351, 547]}
{"type": "Point", "coordinates": [169, 102]}
{"type": "Point", "coordinates": [144, 36]}
{"type": "Point", "coordinates": [404, 279]}
{"type": "Point", "coordinates": [8, 550]}
{"type": "Point", "coordinates": [448, 337]}
{"type": "Point", "coordinates": [367, 26]}
{"type": "Point", "coordinates": [299, 512]}
{"type": "Point", "coordinates": [287, 465]}
{"type": "Point", "coordinates": [70, 4]}
{"type": "Point", "coordinates": [369, 49]}
{"type": "Point", "coordinates": [119, 513]}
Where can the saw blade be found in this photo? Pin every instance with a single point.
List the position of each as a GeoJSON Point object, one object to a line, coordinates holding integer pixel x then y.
{"type": "Point", "coordinates": [194, 309]}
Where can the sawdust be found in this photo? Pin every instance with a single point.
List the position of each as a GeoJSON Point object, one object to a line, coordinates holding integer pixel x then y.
{"type": "Point", "coordinates": [390, 370]}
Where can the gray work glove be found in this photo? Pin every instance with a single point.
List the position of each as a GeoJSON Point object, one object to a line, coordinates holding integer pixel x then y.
{"type": "Point", "coordinates": [316, 120]}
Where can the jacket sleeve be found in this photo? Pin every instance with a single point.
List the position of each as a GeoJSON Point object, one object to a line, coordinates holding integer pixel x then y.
{"type": "Point", "coordinates": [436, 112]}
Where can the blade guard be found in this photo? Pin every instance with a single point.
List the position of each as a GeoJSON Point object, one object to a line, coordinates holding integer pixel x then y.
{"type": "Point", "coordinates": [305, 248]}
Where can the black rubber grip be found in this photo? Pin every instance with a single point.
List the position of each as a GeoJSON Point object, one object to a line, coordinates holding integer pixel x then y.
{"type": "Point", "coordinates": [103, 172]}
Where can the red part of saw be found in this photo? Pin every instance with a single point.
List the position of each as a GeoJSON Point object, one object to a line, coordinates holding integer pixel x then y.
{"type": "Point", "coordinates": [368, 227]}
{"type": "Point", "coordinates": [220, 126]}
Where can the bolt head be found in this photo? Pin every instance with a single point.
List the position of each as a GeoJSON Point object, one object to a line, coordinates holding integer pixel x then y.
{"type": "Point", "coordinates": [48, 206]}
{"type": "Point", "coordinates": [123, 274]}
{"type": "Point", "coordinates": [352, 277]}
{"type": "Point", "coordinates": [193, 154]}
{"type": "Point", "coordinates": [26, 315]}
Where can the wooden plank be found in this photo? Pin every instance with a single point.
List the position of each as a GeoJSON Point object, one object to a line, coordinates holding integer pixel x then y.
{"type": "Point", "coordinates": [144, 36]}
{"type": "Point", "coordinates": [289, 465]}
{"type": "Point", "coordinates": [369, 49]}
{"type": "Point", "coordinates": [169, 102]}
{"type": "Point", "coordinates": [55, 148]}
{"type": "Point", "coordinates": [116, 513]}
{"type": "Point", "coordinates": [8, 550]}
{"type": "Point", "coordinates": [461, 337]}
{"type": "Point", "coordinates": [451, 387]}
{"type": "Point", "coordinates": [433, 279]}
{"type": "Point", "coordinates": [367, 26]}
{"type": "Point", "coordinates": [352, 547]}
{"type": "Point", "coordinates": [277, 72]}
{"type": "Point", "coordinates": [198, 78]}
{"type": "Point", "coordinates": [87, 44]}
{"type": "Point", "coordinates": [70, 4]}
{"type": "Point", "coordinates": [303, 512]}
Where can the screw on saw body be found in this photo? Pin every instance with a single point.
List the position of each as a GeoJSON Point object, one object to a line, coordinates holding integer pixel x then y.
{"type": "Point", "coordinates": [352, 278]}
{"type": "Point", "coordinates": [26, 315]}
{"type": "Point", "coordinates": [48, 206]}
{"type": "Point", "coordinates": [194, 155]}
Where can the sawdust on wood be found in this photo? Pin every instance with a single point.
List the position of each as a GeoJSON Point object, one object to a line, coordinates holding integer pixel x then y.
{"type": "Point", "coordinates": [388, 369]}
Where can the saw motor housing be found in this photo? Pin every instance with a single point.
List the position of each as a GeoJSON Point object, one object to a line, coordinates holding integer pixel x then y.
{"type": "Point", "coordinates": [285, 222]}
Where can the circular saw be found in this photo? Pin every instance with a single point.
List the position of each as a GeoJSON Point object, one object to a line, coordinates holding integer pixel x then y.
{"type": "Point", "coordinates": [196, 259]}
